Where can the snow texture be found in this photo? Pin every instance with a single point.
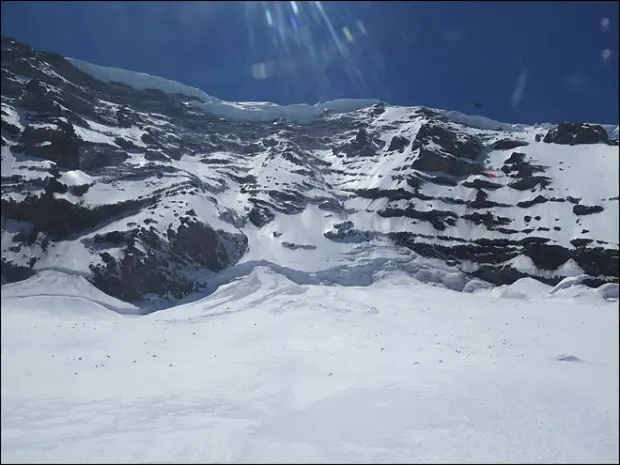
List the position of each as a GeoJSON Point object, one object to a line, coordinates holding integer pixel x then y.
{"type": "Point", "coordinates": [269, 371]}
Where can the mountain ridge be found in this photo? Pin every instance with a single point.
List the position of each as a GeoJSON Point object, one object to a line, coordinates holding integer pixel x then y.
{"type": "Point", "coordinates": [151, 194]}
{"type": "Point", "coordinates": [143, 81]}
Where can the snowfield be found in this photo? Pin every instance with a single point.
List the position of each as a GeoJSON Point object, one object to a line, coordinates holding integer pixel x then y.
{"type": "Point", "coordinates": [265, 370]}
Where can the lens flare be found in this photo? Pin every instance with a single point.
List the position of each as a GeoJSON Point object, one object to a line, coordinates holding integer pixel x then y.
{"type": "Point", "coordinates": [347, 34]}
{"type": "Point", "coordinates": [325, 43]}
{"type": "Point", "coordinates": [295, 8]}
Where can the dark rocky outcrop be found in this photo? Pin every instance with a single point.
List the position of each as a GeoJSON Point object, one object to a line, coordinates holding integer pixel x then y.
{"type": "Point", "coordinates": [524, 184]}
{"type": "Point", "coordinates": [518, 166]}
{"type": "Point", "coordinates": [54, 140]}
{"type": "Point", "coordinates": [293, 246]}
{"type": "Point", "coordinates": [577, 133]}
{"type": "Point", "coordinates": [398, 143]}
{"type": "Point", "coordinates": [581, 242]}
{"type": "Point", "coordinates": [362, 145]}
{"type": "Point", "coordinates": [492, 256]}
{"type": "Point", "coordinates": [482, 201]}
{"type": "Point", "coordinates": [160, 266]}
{"type": "Point", "coordinates": [378, 109]}
{"type": "Point", "coordinates": [95, 156]}
{"type": "Point", "coordinates": [260, 215]}
{"type": "Point", "coordinates": [391, 194]}
{"type": "Point", "coordinates": [586, 209]}
{"type": "Point", "coordinates": [535, 201]}
{"type": "Point", "coordinates": [507, 144]}
{"type": "Point", "coordinates": [478, 183]}
{"type": "Point", "coordinates": [522, 171]}
{"type": "Point", "coordinates": [460, 145]}
{"type": "Point", "coordinates": [488, 219]}
{"type": "Point", "coordinates": [431, 160]}
{"type": "Point", "coordinates": [438, 218]}
{"type": "Point", "coordinates": [547, 256]}
{"type": "Point", "coordinates": [346, 232]}
{"type": "Point", "coordinates": [12, 272]}
{"type": "Point", "coordinates": [59, 218]}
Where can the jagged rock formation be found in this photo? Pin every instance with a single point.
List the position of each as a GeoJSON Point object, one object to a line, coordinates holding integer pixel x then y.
{"type": "Point", "coordinates": [149, 193]}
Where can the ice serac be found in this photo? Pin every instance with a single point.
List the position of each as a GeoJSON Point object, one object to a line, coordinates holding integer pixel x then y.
{"type": "Point", "coordinates": [150, 188]}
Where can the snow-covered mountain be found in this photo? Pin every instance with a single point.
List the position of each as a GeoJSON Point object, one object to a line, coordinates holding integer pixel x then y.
{"type": "Point", "coordinates": [327, 243]}
{"type": "Point", "coordinates": [149, 188]}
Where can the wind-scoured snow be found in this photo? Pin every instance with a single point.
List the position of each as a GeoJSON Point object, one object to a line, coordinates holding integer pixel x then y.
{"type": "Point", "coordinates": [269, 371]}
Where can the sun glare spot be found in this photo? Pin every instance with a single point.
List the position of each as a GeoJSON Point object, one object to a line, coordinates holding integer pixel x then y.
{"type": "Point", "coordinates": [295, 8]}
{"type": "Point", "coordinates": [347, 34]}
{"type": "Point", "coordinates": [361, 27]}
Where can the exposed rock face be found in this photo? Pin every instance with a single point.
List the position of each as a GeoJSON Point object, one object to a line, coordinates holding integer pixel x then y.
{"type": "Point", "coordinates": [398, 143]}
{"type": "Point", "coordinates": [149, 195]}
{"type": "Point", "coordinates": [54, 140]}
{"type": "Point", "coordinates": [459, 145]}
{"type": "Point", "coordinates": [577, 133]}
{"type": "Point", "coordinates": [430, 160]}
{"type": "Point", "coordinates": [149, 264]}
{"type": "Point", "coordinates": [292, 246]}
{"type": "Point", "coordinates": [522, 171]}
{"type": "Point", "coordinates": [362, 145]}
{"type": "Point", "coordinates": [508, 144]}
{"type": "Point", "coordinates": [587, 209]}
{"type": "Point", "coordinates": [346, 232]}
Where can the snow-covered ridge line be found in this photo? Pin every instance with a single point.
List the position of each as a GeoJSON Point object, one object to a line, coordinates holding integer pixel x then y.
{"type": "Point", "coordinates": [246, 111]}
{"type": "Point", "coordinates": [482, 122]}
{"type": "Point", "coordinates": [137, 80]}
{"type": "Point", "coordinates": [268, 111]}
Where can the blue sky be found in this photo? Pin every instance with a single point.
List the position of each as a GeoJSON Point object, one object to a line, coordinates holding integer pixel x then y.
{"type": "Point", "coordinates": [523, 61]}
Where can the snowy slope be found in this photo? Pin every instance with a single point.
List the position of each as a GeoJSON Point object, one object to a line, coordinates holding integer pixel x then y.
{"type": "Point", "coordinates": [269, 371]}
